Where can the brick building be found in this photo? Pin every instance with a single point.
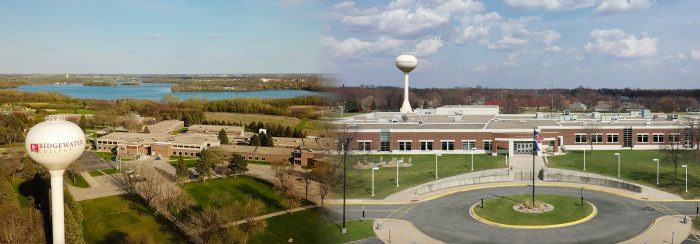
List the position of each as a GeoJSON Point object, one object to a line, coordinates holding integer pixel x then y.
{"type": "Point", "coordinates": [427, 132]}
{"type": "Point", "coordinates": [135, 145]}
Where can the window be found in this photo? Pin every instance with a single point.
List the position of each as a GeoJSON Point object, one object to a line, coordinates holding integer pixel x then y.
{"type": "Point", "coordinates": [613, 138]}
{"type": "Point", "coordinates": [581, 138]}
{"type": "Point", "coordinates": [642, 137]}
{"type": "Point", "coordinates": [487, 145]}
{"type": "Point", "coordinates": [426, 145]}
{"type": "Point", "coordinates": [597, 138]}
{"type": "Point", "coordinates": [405, 145]}
{"type": "Point", "coordinates": [657, 138]}
{"type": "Point", "coordinates": [384, 146]}
{"type": "Point", "coordinates": [674, 137]}
{"type": "Point", "coordinates": [364, 145]}
{"type": "Point", "coordinates": [448, 145]}
{"type": "Point", "coordinates": [468, 145]}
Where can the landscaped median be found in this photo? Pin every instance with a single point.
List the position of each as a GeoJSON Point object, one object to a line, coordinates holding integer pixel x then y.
{"type": "Point", "coordinates": [422, 170]}
{"type": "Point", "coordinates": [511, 211]}
{"type": "Point", "coordinates": [637, 166]}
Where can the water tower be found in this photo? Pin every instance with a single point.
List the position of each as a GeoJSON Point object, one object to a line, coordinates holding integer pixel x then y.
{"type": "Point", "coordinates": [55, 144]}
{"type": "Point", "coordinates": [406, 63]}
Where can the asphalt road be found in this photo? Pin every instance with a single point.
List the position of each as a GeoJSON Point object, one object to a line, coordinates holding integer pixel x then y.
{"type": "Point", "coordinates": [447, 218]}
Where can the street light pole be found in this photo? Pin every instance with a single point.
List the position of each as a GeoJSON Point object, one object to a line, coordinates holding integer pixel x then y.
{"type": "Point", "coordinates": [373, 169]}
{"type": "Point", "coordinates": [343, 146]}
{"type": "Point", "coordinates": [686, 176]}
{"type": "Point", "coordinates": [397, 172]}
{"type": "Point", "coordinates": [618, 164]}
{"type": "Point", "coordinates": [473, 149]}
{"type": "Point", "coordinates": [657, 170]}
{"type": "Point", "coordinates": [584, 159]}
{"type": "Point", "coordinates": [436, 165]}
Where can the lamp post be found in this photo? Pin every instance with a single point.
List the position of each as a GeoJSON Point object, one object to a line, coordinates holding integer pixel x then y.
{"type": "Point", "coordinates": [397, 172]}
{"type": "Point", "coordinates": [657, 170]}
{"type": "Point", "coordinates": [584, 159]}
{"type": "Point", "coordinates": [618, 164]}
{"type": "Point", "coordinates": [473, 149]}
{"type": "Point", "coordinates": [55, 144]}
{"type": "Point", "coordinates": [686, 176]}
{"type": "Point", "coordinates": [436, 164]}
{"type": "Point", "coordinates": [373, 169]}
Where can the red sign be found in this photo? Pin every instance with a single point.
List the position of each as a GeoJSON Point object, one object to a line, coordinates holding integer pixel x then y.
{"type": "Point", "coordinates": [34, 147]}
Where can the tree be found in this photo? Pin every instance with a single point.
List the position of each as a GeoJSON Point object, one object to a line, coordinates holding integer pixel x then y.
{"type": "Point", "coordinates": [73, 219]}
{"type": "Point", "coordinates": [237, 164]}
{"type": "Point", "coordinates": [223, 137]}
{"type": "Point", "coordinates": [674, 153]}
{"type": "Point", "coordinates": [181, 170]}
{"type": "Point", "coordinates": [281, 172]}
{"type": "Point", "coordinates": [325, 174]}
{"type": "Point", "coordinates": [592, 133]}
{"type": "Point", "coordinates": [255, 140]}
{"type": "Point", "coordinates": [28, 170]}
{"type": "Point", "coordinates": [170, 99]}
{"type": "Point", "coordinates": [83, 122]}
{"type": "Point", "coordinates": [21, 225]}
{"type": "Point", "coordinates": [373, 105]}
{"type": "Point", "coordinates": [207, 159]}
{"type": "Point", "coordinates": [7, 192]}
{"type": "Point", "coordinates": [146, 130]}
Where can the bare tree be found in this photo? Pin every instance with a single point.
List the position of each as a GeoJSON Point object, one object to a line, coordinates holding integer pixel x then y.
{"type": "Point", "coordinates": [675, 152]}
{"type": "Point", "coordinates": [592, 131]}
{"type": "Point", "coordinates": [281, 172]}
{"type": "Point", "coordinates": [326, 175]}
{"type": "Point", "coordinates": [20, 225]}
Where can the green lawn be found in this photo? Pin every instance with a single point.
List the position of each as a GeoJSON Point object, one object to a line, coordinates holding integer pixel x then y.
{"type": "Point", "coordinates": [189, 161]}
{"type": "Point", "coordinates": [79, 181]}
{"type": "Point", "coordinates": [637, 166]}
{"type": "Point", "coordinates": [73, 111]}
{"type": "Point", "coordinates": [110, 219]}
{"type": "Point", "coordinates": [359, 181]}
{"type": "Point", "coordinates": [312, 226]}
{"type": "Point", "coordinates": [18, 144]}
{"type": "Point", "coordinates": [22, 198]}
{"type": "Point", "coordinates": [500, 210]}
{"type": "Point", "coordinates": [235, 189]}
{"type": "Point", "coordinates": [105, 171]}
{"type": "Point", "coordinates": [105, 155]}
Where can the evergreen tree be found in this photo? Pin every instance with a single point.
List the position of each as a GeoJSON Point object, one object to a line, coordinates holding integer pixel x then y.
{"type": "Point", "coordinates": [147, 131]}
{"type": "Point", "coordinates": [263, 139]}
{"type": "Point", "coordinates": [181, 169]}
{"type": "Point", "coordinates": [269, 142]}
{"type": "Point", "coordinates": [288, 132]}
{"type": "Point", "coordinates": [237, 164]}
{"type": "Point", "coordinates": [223, 137]}
{"type": "Point", "coordinates": [7, 192]}
{"type": "Point", "coordinates": [83, 122]}
{"type": "Point", "coordinates": [73, 219]}
{"type": "Point", "coordinates": [28, 170]}
{"type": "Point", "coordinates": [260, 125]}
{"type": "Point", "coordinates": [255, 140]}
{"type": "Point", "coordinates": [373, 105]}
{"type": "Point", "coordinates": [351, 106]}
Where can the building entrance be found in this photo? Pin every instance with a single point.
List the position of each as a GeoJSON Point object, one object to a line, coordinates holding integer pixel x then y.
{"type": "Point", "coordinates": [522, 147]}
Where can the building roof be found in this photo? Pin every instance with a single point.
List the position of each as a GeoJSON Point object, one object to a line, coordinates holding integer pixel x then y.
{"type": "Point", "coordinates": [216, 128]}
{"type": "Point", "coordinates": [165, 126]}
{"type": "Point", "coordinates": [257, 150]}
{"type": "Point", "coordinates": [127, 137]}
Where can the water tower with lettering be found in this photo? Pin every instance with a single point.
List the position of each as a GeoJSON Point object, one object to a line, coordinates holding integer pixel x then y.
{"type": "Point", "coordinates": [55, 144]}
{"type": "Point", "coordinates": [406, 63]}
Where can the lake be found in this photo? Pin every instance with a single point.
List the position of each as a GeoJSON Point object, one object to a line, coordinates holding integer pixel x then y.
{"type": "Point", "coordinates": [156, 91]}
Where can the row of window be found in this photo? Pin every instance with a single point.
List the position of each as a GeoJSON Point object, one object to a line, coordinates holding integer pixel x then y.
{"type": "Point", "coordinates": [183, 146]}
{"type": "Point", "coordinates": [424, 145]}
{"type": "Point", "coordinates": [641, 138]}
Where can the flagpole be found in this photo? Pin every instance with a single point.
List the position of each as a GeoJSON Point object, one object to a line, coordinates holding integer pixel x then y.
{"type": "Point", "coordinates": [534, 151]}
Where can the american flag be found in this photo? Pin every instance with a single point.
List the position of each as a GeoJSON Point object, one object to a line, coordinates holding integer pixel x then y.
{"type": "Point", "coordinates": [538, 139]}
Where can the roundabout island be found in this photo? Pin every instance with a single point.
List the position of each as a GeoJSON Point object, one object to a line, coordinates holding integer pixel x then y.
{"type": "Point", "coordinates": [517, 211]}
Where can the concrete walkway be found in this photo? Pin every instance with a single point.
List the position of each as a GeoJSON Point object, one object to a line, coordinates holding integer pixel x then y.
{"type": "Point", "coordinates": [400, 231]}
{"type": "Point", "coordinates": [270, 215]}
{"type": "Point", "coordinates": [100, 186]}
{"type": "Point", "coordinates": [667, 229]}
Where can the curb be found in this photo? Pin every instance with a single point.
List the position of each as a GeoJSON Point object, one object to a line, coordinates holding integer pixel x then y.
{"type": "Point", "coordinates": [580, 221]}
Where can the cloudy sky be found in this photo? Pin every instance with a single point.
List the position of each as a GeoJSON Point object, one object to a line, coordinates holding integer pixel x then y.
{"type": "Point", "coordinates": [515, 43]}
{"type": "Point", "coordinates": [173, 36]}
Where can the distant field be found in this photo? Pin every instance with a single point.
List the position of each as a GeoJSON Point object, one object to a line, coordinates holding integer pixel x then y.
{"type": "Point", "coordinates": [312, 127]}
{"type": "Point", "coordinates": [247, 118]}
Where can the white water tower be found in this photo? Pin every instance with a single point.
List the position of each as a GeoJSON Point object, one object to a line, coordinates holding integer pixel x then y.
{"type": "Point", "coordinates": [55, 144]}
{"type": "Point", "coordinates": [406, 63]}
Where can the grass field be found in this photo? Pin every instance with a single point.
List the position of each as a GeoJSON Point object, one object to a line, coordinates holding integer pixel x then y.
{"type": "Point", "coordinates": [73, 111]}
{"type": "Point", "coordinates": [189, 161]}
{"type": "Point", "coordinates": [312, 226]}
{"type": "Point", "coordinates": [637, 166]}
{"type": "Point", "coordinates": [94, 173]}
{"type": "Point", "coordinates": [359, 181]}
{"type": "Point", "coordinates": [105, 155]}
{"type": "Point", "coordinates": [110, 219]}
{"type": "Point", "coordinates": [235, 189]}
{"type": "Point", "coordinates": [500, 210]}
{"type": "Point", "coordinates": [79, 181]}
{"type": "Point", "coordinates": [22, 199]}
{"type": "Point", "coordinates": [311, 127]}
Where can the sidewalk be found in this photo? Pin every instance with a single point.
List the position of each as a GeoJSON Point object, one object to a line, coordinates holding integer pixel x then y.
{"type": "Point", "coordinates": [666, 229]}
{"type": "Point", "coordinates": [400, 231]}
{"type": "Point", "coordinates": [270, 215]}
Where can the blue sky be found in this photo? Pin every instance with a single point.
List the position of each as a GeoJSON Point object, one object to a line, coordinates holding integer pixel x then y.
{"type": "Point", "coordinates": [133, 36]}
{"type": "Point", "coordinates": [515, 43]}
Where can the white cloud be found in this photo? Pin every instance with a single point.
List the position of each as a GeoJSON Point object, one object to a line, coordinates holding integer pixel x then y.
{"type": "Point", "coordinates": [548, 38]}
{"type": "Point", "coordinates": [357, 47]}
{"type": "Point", "coordinates": [403, 17]}
{"type": "Point", "coordinates": [695, 54]}
{"type": "Point", "coordinates": [428, 46]}
{"type": "Point", "coordinates": [613, 6]}
{"type": "Point", "coordinates": [215, 35]}
{"type": "Point", "coordinates": [552, 5]}
{"type": "Point", "coordinates": [476, 27]}
{"type": "Point", "coordinates": [155, 36]}
{"type": "Point", "coordinates": [620, 44]}
{"type": "Point", "coordinates": [512, 60]}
